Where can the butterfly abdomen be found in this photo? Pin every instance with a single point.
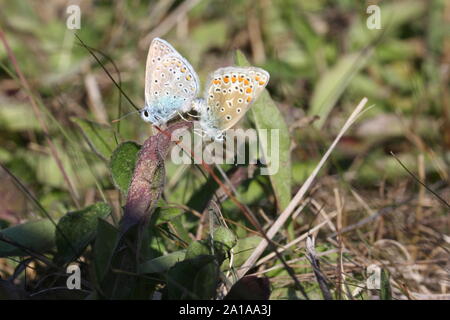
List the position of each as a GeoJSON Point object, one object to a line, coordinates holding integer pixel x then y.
{"type": "Point", "coordinates": [199, 105]}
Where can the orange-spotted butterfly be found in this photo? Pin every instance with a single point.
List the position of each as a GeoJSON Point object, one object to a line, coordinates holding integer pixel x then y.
{"type": "Point", "coordinates": [228, 97]}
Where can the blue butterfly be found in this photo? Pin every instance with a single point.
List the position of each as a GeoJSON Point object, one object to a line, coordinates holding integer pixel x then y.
{"type": "Point", "coordinates": [171, 84]}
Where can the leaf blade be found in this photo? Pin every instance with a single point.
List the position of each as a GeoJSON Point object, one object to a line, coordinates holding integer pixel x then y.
{"type": "Point", "coordinates": [38, 236]}
{"type": "Point", "coordinates": [267, 116]}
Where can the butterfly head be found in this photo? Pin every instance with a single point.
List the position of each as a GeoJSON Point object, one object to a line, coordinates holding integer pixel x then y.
{"type": "Point", "coordinates": [147, 116]}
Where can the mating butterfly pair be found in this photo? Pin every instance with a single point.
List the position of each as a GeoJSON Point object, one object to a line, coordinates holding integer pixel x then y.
{"type": "Point", "coordinates": [172, 87]}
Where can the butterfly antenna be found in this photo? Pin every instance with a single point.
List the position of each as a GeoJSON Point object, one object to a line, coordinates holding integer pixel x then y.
{"type": "Point", "coordinates": [107, 72]}
{"type": "Point", "coordinates": [124, 116]}
{"type": "Point", "coordinates": [111, 60]}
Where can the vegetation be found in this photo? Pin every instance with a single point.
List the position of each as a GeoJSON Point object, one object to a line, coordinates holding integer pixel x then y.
{"type": "Point", "coordinates": [80, 189]}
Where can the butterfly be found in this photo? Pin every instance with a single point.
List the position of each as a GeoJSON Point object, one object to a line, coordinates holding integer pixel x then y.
{"type": "Point", "coordinates": [171, 84]}
{"type": "Point", "coordinates": [228, 97]}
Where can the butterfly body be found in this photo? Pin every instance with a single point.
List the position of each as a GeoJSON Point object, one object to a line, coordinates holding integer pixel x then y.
{"type": "Point", "coordinates": [211, 126]}
{"type": "Point", "coordinates": [162, 110]}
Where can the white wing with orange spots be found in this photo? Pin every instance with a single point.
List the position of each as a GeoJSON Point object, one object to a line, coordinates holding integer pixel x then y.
{"type": "Point", "coordinates": [230, 94]}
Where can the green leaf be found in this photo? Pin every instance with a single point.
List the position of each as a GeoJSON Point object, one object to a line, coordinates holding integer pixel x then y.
{"type": "Point", "coordinates": [333, 83]}
{"type": "Point", "coordinates": [184, 278]}
{"type": "Point", "coordinates": [166, 213]}
{"type": "Point", "coordinates": [122, 164]}
{"type": "Point", "coordinates": [244, 249]}
{"type": "Point", "coordinates": [267, 117]}
{"type": "Point", "coordinates": [163, 263]}
{"type": "Point", "coordinates": [99, 137]}
{"type": "Point", "coordinates": [180, 229]}
{"type": "Point", "coordinates": [225, 237]}
{"type": "Point", "coordinates": [37, 236]}
{"type": "Point", "coordinates": [206, 281]}
{"type": "Point", "coordinates": [105, 245]}
{"type": "Point", "coordinates": [76, 229]}
{"type": "Point", "coordinates": [198, 248]}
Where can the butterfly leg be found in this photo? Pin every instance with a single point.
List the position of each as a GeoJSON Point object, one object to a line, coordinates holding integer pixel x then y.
{"type": "Point", "coordinates": [181, 116]}
{"type": "Point", "coordinates": [220, 137]}
{"type": "Point", "coordinates": [193, 115]}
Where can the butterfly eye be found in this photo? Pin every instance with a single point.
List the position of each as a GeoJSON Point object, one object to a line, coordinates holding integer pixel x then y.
{"type": "Point", "coordinates": [146, 113]}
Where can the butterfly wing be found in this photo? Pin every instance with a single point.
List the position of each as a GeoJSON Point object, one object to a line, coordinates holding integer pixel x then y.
{"type": "Point", "coordinates": [169, 76]}
{"type": "Point", "coordinates": [231, 92]}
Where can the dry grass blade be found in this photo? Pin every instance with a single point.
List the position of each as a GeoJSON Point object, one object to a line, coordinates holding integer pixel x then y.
{"type": "Point", "coordinates": [298, 239]}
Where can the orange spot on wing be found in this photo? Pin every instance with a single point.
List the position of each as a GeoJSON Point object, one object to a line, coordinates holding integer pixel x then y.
{"type": "Point", "coordinates": [249, 90]}
{"type": "Point", "coordinates": [257, 78]}
{"type": "Point", "coordinates": [241, 79]}
{"type": "Point", "coordinates": [226, 79]}
{"type": "Point", "coordinates": [261, 83]}
{"type": "Point", "coordinates": [233, 79]}
{"type": "Point", "coordinates": [249, 99]}
{"type": "Point", "coordinates": [246, 82]}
